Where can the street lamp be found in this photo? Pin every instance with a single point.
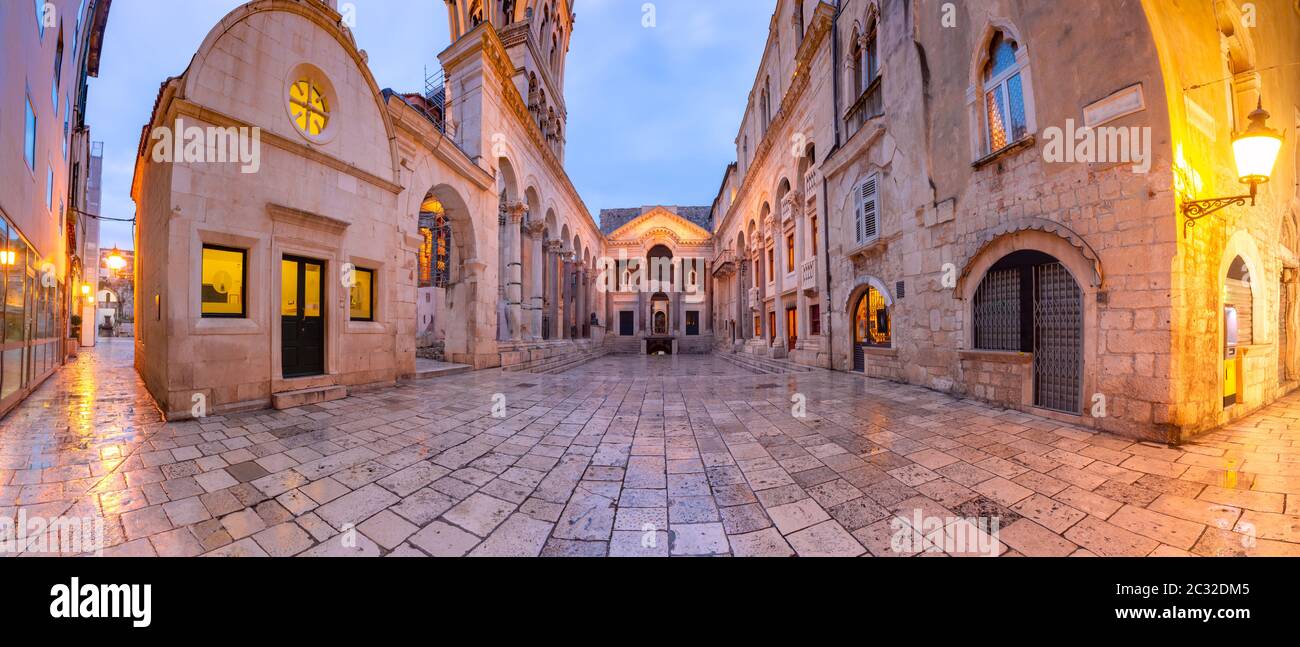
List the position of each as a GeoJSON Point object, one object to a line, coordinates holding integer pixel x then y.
{"type": "Point", "coordinates": [1255, 151]}
{"type": "Point", "coordinates": [115, 260]}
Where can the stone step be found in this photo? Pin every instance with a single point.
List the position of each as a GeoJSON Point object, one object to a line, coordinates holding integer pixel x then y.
{"type": "Point", "coordinates": [304, 397]}
{"type": "Point", "coordinates": [442, 371]}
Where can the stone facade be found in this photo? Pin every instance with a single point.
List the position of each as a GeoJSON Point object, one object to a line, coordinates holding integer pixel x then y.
{"type": "Point", "coordinates": [349, 196]}
{"type": "Point", "coordinates": [892, 95]}
{"type": "Point", "coordinates": [655, 280]}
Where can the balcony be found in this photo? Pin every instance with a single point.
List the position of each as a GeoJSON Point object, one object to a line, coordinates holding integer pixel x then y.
{"type": "Point", "coordinates": [869, 105]}
{"type": "Point", "coordinates": [808, 275]}
{"type": "Point", "coordinates": [811, 180]}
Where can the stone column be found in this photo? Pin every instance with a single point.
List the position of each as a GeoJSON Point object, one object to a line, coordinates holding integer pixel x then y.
{"type": "Point", "coordinates": [536, 291]}
{"type": "Point", "coordinates": [514, 269]}
{"type": "Point", "coordinates": [555, 266]}
{"type": "Point", "coordinates": [778, 260]}
{"type": "Point", "coordinates": [640, 312]}
{"type": "Point", "coordinates": [710, 293]}
{"type": "Point", "coordinates": [800, 254]}
{"type": "Point", "coordinates": [568, 295]}
{"type": "Point", "coordinates": [581, 315]}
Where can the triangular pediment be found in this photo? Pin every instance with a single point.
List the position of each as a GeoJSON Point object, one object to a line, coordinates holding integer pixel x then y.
{"type": "Point", "coordinates": [662, 220]}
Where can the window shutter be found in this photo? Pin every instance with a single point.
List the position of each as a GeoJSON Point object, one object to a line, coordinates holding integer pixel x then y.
{"type": "Point", "coordinates": [869, 211]}
{"type": "Point", "coordinates": [857, 215]}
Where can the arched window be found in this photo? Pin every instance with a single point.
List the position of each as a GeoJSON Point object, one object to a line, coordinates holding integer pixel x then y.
{"type": "Point", "coordinates": [1005, 119]}
{"type": "Point", "coordinates": [855, 64]}
{"type": "Point", "coordinates": [309, 106]}
{"type": "Point", "coordinates": [798, 24]}
{"type": "Point", "coordinates": [870, 57]}
{"type": "Point", "coordinates": [475, 14]}
{"type": "Point", "coordinates": [508, 11]}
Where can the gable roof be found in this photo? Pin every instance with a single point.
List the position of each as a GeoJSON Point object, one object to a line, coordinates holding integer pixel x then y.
{"type": "Point", "coordinates": [611, 220]}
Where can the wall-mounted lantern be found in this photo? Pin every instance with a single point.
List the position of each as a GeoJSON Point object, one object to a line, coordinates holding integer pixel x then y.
{"type": "Point", "coordinates": [1255, 151]}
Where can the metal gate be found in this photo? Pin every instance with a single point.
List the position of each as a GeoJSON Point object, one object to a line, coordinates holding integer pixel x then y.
{"type": "Point", "coordinates": [1284, 344]}
{"type": "Point", "coordinates": [1058, 339]}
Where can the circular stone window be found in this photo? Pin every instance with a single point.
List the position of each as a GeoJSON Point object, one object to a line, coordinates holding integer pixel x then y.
{"type": "Point", "coordinates": [310, 102]}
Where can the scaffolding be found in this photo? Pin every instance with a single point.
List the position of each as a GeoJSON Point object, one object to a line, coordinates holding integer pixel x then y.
{"type": "Point", "coordinates": [435, 94]}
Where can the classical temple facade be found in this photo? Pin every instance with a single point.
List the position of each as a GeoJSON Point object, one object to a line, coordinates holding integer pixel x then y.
{"type": "Point", "coordinates": [655, 282]}
{"type": "Point", "coordinates": [982, 198]}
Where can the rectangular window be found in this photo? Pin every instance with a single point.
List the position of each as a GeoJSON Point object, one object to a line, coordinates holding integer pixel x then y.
{"type": "Point", "coordinates": [789, 253]}
{"type": "Point", "coordinates": [814, 319]}
{"type": "Point", "coordinates": [29, 144]}
{"type": "Point", "coordinates": [771, 264]}
{"type": "Point", "coordinates": [758, 326]}
{"type": "Point", "coordinates": [225, 271]}
{"type": "Point", "coordinates": [692, 323]}
{"type": "Point", "coordinates": [67, 122]}
{"type": "Point", "coordinates": [812, 221]}
{"type": "Point", "coordinates": [49, 188]}
{"type": "Point", "coordinates": [362, 300]}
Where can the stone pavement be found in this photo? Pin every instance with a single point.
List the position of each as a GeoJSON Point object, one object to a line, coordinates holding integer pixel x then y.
{"type": "Point", "coordinates": [632, 456]}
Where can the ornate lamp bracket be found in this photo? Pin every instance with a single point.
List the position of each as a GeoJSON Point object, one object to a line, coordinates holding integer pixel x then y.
{"type": "Point", "coordinates": [1194, 210]}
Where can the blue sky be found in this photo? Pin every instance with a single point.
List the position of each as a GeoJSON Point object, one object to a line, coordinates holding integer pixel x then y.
{"type": "Point", "coordinates": [653, 112]}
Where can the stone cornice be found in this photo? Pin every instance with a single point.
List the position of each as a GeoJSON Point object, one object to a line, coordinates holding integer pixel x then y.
{"type": "Point", "coordinates": [823, 16]}
{"type": "Point", "coordinates": [306, 219]}
{"type": "Point", "coordinates": [187, 108]}
{"type": "Point", "coordinates": [422, 133]}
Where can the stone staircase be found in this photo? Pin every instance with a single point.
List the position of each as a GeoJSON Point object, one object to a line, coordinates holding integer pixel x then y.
{"type": "Point", "coordinates": [765, 365]}
{"type": "Point", "coordinates": [552, 357]}
{"type": "Point", "coordinates": [623, 345]}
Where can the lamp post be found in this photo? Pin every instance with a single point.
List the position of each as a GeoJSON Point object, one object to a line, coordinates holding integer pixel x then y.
{"type": "Point", "coordinates": [1255, 151]}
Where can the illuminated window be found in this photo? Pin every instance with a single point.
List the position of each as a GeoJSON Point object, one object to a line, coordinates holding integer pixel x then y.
{"type": "Point", "coordinates": [813, 224]}
{"type": "Point", "coordinates": [771, 264]}
{"type": "Point", "coordinates": [309, 107]}
{"type": "Point", "coordinates": [362, 300]}
{"type": "Point", "coordinates": [871, 321]}
{"type": "Point", "coordinates": [435, 246]}
{"type": "Point", "coordinates": [789, 253]}
{"type": "Point", "coordinates": [224, 273]}
{"type": "Point", "coordinates": [1004, 102]}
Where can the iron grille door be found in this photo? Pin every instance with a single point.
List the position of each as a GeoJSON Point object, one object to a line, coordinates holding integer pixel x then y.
{"type": "Point", "coordinates": [1058, 339]}
{"type": "Point", "coordinates": [997, 311]}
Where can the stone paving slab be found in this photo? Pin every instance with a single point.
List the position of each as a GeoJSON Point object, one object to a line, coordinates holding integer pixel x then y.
{"type": "Point", "coordinates": [637, 457]}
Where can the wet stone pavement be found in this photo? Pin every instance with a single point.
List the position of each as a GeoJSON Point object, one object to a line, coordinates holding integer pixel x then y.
{"type": "Point", "coordinates": [632, 456]}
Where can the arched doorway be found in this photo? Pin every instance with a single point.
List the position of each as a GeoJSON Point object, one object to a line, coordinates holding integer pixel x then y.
{"type": "Point", "coordinates": [871, 326]}
{"type": "Point", "coordinates": [444, 291]}
{"type": "Point", "coordinates": [1238, 328]}
{"type": "Point", "coordinates": [1029, 302]}
{"type": "Point", "coordinates": [659, 315]}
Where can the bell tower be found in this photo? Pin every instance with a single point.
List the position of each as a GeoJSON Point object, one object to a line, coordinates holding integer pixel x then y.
{"type": "Point", "coordinates": [536, 35]}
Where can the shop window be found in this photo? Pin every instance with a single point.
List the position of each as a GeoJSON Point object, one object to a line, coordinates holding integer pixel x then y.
{"type": "Point", "coordinates": [362, 299]}
{"type": "Point", "coordinates": [224, 272]}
